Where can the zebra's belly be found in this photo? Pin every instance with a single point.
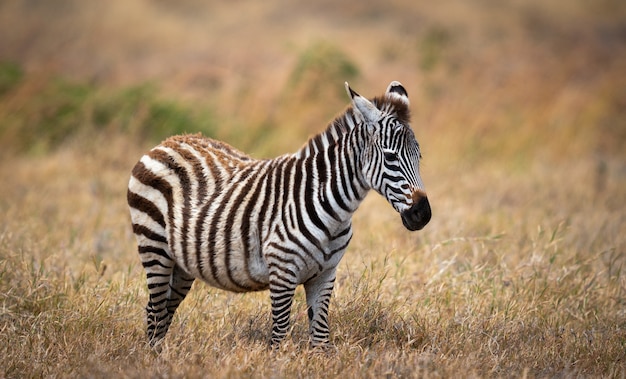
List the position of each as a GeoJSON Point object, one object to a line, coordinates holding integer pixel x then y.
{"type": "Point", "coordinates": [230, 267]}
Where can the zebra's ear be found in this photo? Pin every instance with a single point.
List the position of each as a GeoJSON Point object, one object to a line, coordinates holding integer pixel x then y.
{"type": "Point", "coordinates": [397, 91]}
{"type": "Point", "coordinates": [365, 109]}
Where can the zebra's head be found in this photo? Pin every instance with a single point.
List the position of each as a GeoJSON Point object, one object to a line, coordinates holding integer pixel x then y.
{"type": "Point", "coordinates": [391, 157]}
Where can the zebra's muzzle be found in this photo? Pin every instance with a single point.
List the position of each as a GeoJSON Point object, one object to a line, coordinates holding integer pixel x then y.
{"type": "Point", "coordinates": [416, 217]}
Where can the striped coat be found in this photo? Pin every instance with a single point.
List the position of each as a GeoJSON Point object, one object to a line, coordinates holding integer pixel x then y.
{"type": "Point", "coordinates": [201, 209]}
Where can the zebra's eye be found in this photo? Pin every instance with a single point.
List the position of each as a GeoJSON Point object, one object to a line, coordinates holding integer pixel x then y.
{"type": "Point", "coordinates": [390, 156]}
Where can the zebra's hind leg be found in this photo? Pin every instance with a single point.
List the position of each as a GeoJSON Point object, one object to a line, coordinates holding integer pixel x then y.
{"type": "Point", "coordinates": [159, 269]}
{"type": "Point", "coordinates": [180, 284]}
{"type": "Point", "coordinates": [165, 297]}
{"type": "Point", "coordinates": [318, 292]}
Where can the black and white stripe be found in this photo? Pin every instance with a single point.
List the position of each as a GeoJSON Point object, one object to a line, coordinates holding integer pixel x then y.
{"type": "Point", "coordinates": [201, 209]}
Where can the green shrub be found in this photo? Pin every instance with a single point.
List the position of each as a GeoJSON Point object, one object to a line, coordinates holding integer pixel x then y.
{"type": "Point", "coordinates": [64, 110]}
{"type": "Point", "coordinates": [322, 65]}
{"type": "Point", "coordinates": [10, 75]}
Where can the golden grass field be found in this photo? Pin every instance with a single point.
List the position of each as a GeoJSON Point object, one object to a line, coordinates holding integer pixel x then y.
{"type": "Point", "coordinates": [520, 109]}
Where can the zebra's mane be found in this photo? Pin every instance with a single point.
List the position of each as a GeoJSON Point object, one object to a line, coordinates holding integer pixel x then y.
{"type": "Point", "coordinates": [339, 127]}
{"type": "Point", "coordinates": [345, 122]}
{"type": "Point", "coordinates": [393, 105]}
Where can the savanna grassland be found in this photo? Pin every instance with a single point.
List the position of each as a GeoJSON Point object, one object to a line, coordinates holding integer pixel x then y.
{"type": "Point", "coordinates": [520, 109]}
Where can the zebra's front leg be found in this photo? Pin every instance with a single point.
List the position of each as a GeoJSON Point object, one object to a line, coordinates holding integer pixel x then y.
{"type": "Point", "coordinates": [282, 288]}
{"type": "Point", "coordinates": [318, 292]}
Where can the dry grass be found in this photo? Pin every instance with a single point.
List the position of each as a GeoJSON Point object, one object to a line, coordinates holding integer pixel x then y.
{"type": "Point", "coordinates": [519, 107]}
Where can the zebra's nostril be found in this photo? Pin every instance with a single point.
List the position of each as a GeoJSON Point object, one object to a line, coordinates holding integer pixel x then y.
{"type": "Point", "coordinates": [416, 217]}
{"type": "Point", "coordinates": [423, 207]}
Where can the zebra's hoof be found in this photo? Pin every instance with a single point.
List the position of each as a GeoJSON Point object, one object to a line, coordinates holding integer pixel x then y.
{"type": "Point", "coordinates": [323, 347]}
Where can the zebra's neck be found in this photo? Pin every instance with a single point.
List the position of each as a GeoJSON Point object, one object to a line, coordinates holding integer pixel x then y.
{"type": "Point", "coordinates": [332, 159]}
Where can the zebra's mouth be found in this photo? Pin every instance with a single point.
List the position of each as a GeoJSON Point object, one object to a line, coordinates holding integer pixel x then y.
{"type": "Point", "coordinates": [416, 217]}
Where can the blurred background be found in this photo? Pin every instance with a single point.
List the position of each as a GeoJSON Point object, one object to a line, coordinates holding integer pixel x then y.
{"type": "Point", "coordinates": [514, 80]}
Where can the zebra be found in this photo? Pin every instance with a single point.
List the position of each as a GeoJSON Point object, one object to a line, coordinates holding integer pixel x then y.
{"type": "Point", "coordinates": [201, 209]}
